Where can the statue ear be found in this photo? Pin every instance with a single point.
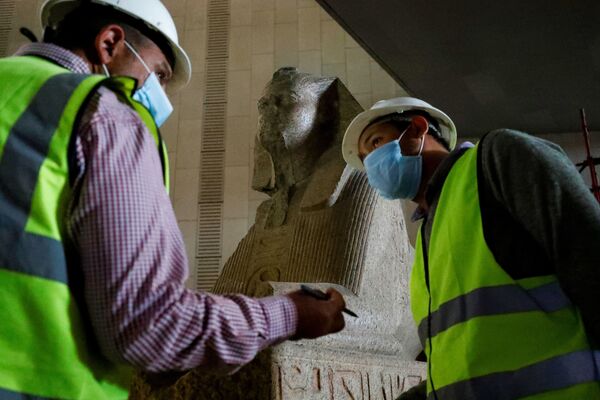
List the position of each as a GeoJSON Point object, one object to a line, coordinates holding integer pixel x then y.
{"type": "Point", "coordinates": [331, 172]}
{"type": "Point", "coordinates": [263, 177]}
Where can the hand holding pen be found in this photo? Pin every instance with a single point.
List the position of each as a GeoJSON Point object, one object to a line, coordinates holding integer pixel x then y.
{"type": "Point", "coordinates": [317, 294]}
{"type": "Point", "coordinates": [318, 314]}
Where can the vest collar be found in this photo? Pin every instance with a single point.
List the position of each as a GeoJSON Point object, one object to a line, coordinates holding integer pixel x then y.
{"type": "Point", "coordinates": [435, 184]}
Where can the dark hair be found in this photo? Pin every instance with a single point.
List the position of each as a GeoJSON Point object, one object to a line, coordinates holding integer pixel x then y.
{"type": "Point", "coordinates": [399, 118]}
{"type": "Point", "coordinates": [81, 26]}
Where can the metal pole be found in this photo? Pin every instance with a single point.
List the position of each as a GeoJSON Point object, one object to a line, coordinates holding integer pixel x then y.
{"type": "Point", "coordinates": [590, 160]}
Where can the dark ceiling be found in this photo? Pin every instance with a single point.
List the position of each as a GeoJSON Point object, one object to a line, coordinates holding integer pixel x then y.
{"type": "Point", "coordinates": [527, 65]}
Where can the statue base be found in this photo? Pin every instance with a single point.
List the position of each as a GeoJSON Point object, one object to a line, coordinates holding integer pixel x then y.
{"type": "Point", "coordinates": [296, 371]}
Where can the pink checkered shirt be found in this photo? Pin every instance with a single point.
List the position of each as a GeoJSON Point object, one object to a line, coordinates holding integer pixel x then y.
{"type": "Point", "coordinates": [133, 257]}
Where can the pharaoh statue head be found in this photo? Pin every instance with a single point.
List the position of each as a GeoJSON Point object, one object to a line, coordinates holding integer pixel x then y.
{"type": "Point", "coordinates": [302, 119]}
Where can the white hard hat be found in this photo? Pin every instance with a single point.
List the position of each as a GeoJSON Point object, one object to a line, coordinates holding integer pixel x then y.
{"type": "Point", "coordinates": [386, 107]}
{"type": "Point", "coordinates": [150, 12]}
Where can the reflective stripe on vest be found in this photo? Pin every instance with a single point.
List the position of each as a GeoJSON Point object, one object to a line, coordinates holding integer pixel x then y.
{"type": "Point", "coordinates": [486, 335]}
{"type": "Point", "coordinates": [494, 300]}
{"type": "Point", "coordinates": [46, 350]}
{"type": "Point", "coordinates": [24, 152]}
{"type": "Point", "coordinates": [560, 372]}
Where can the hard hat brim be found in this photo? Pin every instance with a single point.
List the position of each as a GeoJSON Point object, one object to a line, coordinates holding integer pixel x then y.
{"type": "Point", "coordinates": [364, 119]}
{"type": "Point", "coordinates": [182, 73]}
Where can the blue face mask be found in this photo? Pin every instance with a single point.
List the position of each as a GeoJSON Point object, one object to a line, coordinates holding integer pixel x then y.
{"type": "Point", "coordinates": [154, 98]}
{"type": "Point", "coordinates": [393, 175]}
{"type": "Point", "coordinates": [151, 94]}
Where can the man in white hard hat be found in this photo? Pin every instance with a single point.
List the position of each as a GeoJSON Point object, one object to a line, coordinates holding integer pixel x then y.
{"type": "Point", "coordinates": [505, 279]}
{"type": "Point", "coordinates": [92, 262]}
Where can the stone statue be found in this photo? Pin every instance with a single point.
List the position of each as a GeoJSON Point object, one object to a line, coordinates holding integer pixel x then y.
{"type": "Point", "coordinates": [324, 225]}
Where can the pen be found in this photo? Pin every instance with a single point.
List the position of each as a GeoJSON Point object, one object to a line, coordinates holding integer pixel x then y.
{"type": "Point", "coordinates": [317, 294]}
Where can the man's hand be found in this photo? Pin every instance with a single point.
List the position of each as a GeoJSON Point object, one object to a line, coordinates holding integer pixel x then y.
{"type": "Point", "coordinates": [318, 317]}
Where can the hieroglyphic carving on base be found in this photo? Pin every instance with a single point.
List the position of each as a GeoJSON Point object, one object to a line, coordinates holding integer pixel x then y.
{"type": "Point", "coordinates": [300, 381]}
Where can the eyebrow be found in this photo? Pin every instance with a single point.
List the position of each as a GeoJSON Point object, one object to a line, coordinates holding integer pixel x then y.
{"type": "Point", "coordinates": [364, 138]}
{"type": "Point", "coordinates": [363, 142]}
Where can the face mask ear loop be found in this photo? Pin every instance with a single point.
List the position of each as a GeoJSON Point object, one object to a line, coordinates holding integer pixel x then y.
{"type": "Point", "coordinates": [106, 70]}
{"type": "Point", "coordinates": [422, 144]}
{"type": "Point", "coordinates": [400, 137]}
{"type": "Point", "coordinates": [422, 141]}
{"type": "Point", "coordinates": [402, 134]}
{"type": "Point", "coordinates": [130, 47]}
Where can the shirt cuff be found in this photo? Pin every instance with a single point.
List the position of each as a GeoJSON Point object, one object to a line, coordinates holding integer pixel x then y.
{"type": "Point", "coordinates": [282, 318]}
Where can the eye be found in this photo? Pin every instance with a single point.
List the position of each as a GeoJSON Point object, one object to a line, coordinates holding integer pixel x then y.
{"type": "Point", "coordinates": [376, 141]}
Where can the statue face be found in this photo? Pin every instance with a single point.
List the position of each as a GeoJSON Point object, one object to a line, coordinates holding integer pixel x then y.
{"type": "Point", "coordinates": [291, 123]}
{"type": "Point", "coordinates": [287, 114]}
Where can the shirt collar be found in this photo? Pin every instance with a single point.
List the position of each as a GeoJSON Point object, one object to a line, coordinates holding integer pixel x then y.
{"type": "Point", "coordinates": [435, 184]}
{"type": "Point", "coordinates": [57, 54]}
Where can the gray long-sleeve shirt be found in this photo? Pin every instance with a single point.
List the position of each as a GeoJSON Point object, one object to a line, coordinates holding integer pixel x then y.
{"type": "Point", "coordinates": [538, 215]}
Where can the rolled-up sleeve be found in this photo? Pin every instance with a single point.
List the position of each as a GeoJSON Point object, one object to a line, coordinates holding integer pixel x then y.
{"type": "Point", "coordinates": [134, 265]}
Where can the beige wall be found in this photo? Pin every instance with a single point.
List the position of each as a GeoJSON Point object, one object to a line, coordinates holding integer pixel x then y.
{"type": "Point", "coordinates": [26, 14]}
{"type": "Point", "coordinates": [182, 132]}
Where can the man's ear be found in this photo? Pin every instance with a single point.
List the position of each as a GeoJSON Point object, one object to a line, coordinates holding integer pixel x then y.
{"type": "Point", "coordinates": [109, 42]}
{"type": "Point", "coordinates": [420, 125]}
